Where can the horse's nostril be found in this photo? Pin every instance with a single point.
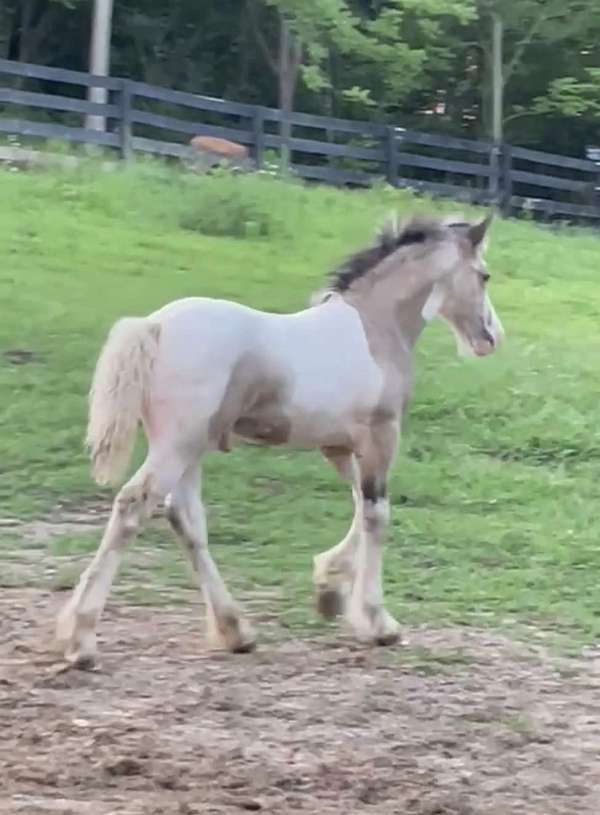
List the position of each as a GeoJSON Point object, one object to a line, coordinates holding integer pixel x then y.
{"type": "Point", "coordinates": [489, 337]}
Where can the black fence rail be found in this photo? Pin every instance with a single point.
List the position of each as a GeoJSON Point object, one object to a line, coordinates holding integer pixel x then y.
{"type": "Point", "coordinates": [37, 102]}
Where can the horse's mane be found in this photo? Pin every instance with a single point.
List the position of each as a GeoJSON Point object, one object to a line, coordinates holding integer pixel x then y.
{"type": "Point", "coordinates": [393, 236]}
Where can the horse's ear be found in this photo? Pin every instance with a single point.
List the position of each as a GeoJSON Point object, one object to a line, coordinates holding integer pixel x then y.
{"type": "Point", "coordinates": [478, 231]}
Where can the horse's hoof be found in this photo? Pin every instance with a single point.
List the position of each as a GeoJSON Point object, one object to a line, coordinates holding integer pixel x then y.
{"type": "Point", "coordinates": [388, 638]}
{"type": "Point", "coordinates": [243, 647]}
{"type": "Point", "coordinates": [83, 662]}
{"type": "Point", "coordinates": [233, 633]}
{"type": "Point", "coordinates": [375, 626]}
{"type": "Point", "coordinates": [330, 603]}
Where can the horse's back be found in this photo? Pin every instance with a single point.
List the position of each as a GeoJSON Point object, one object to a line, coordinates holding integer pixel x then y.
{"type": "Point", "coordinates": [197, 329]}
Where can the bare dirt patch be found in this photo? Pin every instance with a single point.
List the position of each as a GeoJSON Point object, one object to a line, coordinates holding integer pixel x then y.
{"type": "Point", "coordinates": [57, 523]}
{"type": "Point", "coordinates": [458, 723]}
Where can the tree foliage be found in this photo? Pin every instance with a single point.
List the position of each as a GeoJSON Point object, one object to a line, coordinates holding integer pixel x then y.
{"type": "Point", "coordinates": [419, 63]}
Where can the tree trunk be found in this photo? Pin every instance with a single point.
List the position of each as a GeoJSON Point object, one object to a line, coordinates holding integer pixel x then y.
{"type": "Point", "coordinates": [31, 25]}
{"type": "Point", "coordinates": [497, 80]}
{"type": "Point", "coordinates": [244, 51]}
{"type": "Point", "coordinates": [286, 94]}
{"type": "Point", "coordinates": [25, 30]}
{"type": "Point", "coordinates": [290, 54]}
{"type": "Point", "coordinates": [13, 43]}
{"type": "Point", "coordinates": [99, 57]}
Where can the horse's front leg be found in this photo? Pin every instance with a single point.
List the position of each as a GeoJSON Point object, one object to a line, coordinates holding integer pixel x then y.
{"type": "Point", "coordinates": [366, 613]}
{"type": "Point", "coordinates": [333, 570]}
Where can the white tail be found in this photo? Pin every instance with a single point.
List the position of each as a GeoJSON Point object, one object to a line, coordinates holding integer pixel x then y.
{"type": "Point", "coordinates": [119, 390]}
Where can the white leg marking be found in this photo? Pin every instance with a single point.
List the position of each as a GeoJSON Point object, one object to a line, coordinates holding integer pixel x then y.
{"type": "Point", "coordinates": [366, 614]}
{"type": "Point", "coordinates": [77, 621]}
{"type": "Point", "coordinates": [227, 628]}
{"type": "Point", "coordinates": [333, 570]}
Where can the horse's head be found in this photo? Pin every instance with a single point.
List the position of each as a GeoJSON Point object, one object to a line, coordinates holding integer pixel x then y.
{"type": "Point", "coordinates": [424, 267]}
{"type": "Point", "coordinates": [461, 296]}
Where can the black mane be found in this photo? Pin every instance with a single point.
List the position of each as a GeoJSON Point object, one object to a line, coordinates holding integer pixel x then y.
{"type": "Point", "coordinates": [392, 237]}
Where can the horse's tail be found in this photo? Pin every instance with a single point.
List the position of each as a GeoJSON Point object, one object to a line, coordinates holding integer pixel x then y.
{"type": "Point", "coordinates": [119, 391]}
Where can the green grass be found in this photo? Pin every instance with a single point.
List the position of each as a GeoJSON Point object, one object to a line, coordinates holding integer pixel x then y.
{"type": "Point", "coordinates": [495, 493]}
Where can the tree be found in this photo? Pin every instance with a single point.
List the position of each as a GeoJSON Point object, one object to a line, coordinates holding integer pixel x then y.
{"type": "Point", "coordinates": [571, 97]}
{"type": "Point", "coordinates": [367, 34]}
{"type": "Point", "coordinates": [516, 26]}
{"type": "Point", "coordinates": [423, 64]}
{"type": "Point", "coordinates": [100, 38]}
{"type": "Point", "coordinates": [305, 29]}
{"type": "Point", "coordinates": [32, 30]}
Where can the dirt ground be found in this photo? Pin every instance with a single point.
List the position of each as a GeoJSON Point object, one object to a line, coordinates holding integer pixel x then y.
{"type": "Point", "coordinates": [459, 722]}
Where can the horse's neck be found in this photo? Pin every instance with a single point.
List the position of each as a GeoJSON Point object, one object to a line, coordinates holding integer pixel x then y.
{"type": "Point", "coordinates": [393, 324]}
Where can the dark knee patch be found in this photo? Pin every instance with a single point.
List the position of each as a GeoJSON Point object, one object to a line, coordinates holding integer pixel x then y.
{"type": "Point", "coordinates": [375, 508]}
{"type": "Point", "coordinates": [174, 520]}
{"type": "Point", "coordinates": [373, 489]}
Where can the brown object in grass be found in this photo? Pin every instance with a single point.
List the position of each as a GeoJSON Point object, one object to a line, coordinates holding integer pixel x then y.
{"type": "Point", "coordinates": [222, 147]}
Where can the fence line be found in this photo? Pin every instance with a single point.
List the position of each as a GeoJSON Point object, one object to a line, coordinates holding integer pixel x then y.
{"type": "Point", "coordinates": [140, 117]}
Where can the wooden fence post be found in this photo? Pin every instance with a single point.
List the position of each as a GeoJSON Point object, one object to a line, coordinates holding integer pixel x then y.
{"type": "Point", "coordinates": [329, 134]}
{"type": "Point", "coordinates": [125, 136]}
{"type": "Point", "coordinates": [259, 136]}
{"type": "Point", "coordinates": [495, 177]}
{"type": "Point", "coordinates": [285, 135]}
{"type": "Point", "coordinates": [593, 154]}
{"type": "Point", "coordinates": [505, 190]}
{"type": "Point", "coordinates": [391, 155]}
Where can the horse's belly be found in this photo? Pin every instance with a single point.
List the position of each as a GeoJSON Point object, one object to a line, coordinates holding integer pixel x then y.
{"type": "Point", "coordinates": [321, 430]}
{"type": "Point", "coordinates": [300, 430]}
{"type": "Point", "coordinates": [273, 429]}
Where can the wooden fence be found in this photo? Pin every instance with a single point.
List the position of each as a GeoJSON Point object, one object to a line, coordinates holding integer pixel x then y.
{"type": "Point", "coordinates": [37, 102]}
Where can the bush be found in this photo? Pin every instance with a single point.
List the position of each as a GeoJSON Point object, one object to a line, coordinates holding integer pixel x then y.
{"type": "Point", "coordinates": [238, 206]}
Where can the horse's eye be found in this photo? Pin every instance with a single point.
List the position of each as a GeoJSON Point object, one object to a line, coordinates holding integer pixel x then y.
{"type": "Point", "coordinates": [485, 276]}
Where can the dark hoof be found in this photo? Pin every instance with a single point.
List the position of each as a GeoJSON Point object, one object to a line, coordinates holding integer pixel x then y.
{"type": "Point", "coordinates": [244, 647]}
{"type": "Point", "coordinates": [330, 604]}
{"type": "Point", "coordinates": [84, 663]}
{"type": "Point", "coordinates": [389, 639]}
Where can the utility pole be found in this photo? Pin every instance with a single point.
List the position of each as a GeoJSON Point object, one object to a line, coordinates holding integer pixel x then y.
{"type": "Point", "coordinates": [497, 79]}
{"type": "Point", "coordinates": [99, 61]}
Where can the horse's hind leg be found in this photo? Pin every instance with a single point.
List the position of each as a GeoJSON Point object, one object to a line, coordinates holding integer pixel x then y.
{"type": "Point", "coordinates": [333, 570]}
{"type": "Point", "coordinates": [227, 627]}
{"type": "Point", "coordinates": [76, 624]}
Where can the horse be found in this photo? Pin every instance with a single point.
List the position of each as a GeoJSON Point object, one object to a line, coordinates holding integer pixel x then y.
{"type": "Point", "coordinates": [200, 374]}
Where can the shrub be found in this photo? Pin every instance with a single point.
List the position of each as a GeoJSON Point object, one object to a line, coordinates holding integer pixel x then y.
{"type": "Point", "coordinates": [235, 205]}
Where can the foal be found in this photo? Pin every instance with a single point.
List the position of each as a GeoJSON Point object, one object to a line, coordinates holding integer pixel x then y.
{"type": "Point", "coordinates": [337, 376]}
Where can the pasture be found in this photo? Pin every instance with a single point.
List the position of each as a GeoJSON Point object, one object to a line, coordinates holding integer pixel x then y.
{"type": "Point", "coordinates": [492, 563]}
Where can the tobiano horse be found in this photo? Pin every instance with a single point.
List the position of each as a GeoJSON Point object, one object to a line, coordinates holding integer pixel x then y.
{"type": "Point", "coordinates": [200, 373]}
